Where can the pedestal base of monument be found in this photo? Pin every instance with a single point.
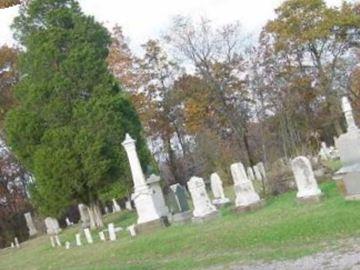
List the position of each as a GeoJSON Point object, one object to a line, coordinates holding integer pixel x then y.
{"type": "Point", "coordinates": [250, 207]}
{"type": "Point", "coordinates": [205, 218]}
{"type": "Point", "coordinates": [151, 226]}
{"type": "Point", "coordinates": [182, 217]}
{"type": "Point", "coordinates": [348, 182]}
{"type": "Point", "coordinates": [221, 202]}
{"type": "Point", "coordinates": [310, 199]}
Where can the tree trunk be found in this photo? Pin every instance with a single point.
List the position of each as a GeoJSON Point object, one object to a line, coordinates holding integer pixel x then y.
{"type": "Point", "coordinates": [95, 216]}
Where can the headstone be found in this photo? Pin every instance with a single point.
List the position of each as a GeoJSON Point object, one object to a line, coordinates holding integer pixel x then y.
{"type": "Point", "coordinates": [84, 216]}
{"type": "Point", "coordinates": [308, 189]}
{"type": "Point", "coordinates": [112, 234]}
{"type": "Point", "coordinates": [106, 210]}
{"type": "Point", "coordinates": [12, 245]}
{"type": "Point", "coordinates": [78, 239]}
{"type": "Point", "coordinates": [57, 240]}
{"type": "Point", "coordinates": [257, 173]}
{"type": "Point", "coordinates": [218, 190]}
{"type": "Point", "coordinates": [250, 173]}
{"type": "Point", "coordinates": [179, 200]}
{"type": "Point", "coordinates": [176, 200]}
{"type": "Point", "coordinates": [52, 241]}
{"type": "Point", "coordinates": [16, 242]}
{"type": "Point", "coordinates": [68, 222]}
{"type": "Point", "coordinates": [154, 183]}
{"type": "Point", "coordinates": [67, 245]}
{"type": "Point", "coordinates": [116, 206]}
{"type": "Point", "coordinates": [146, 201]}
{"type": "Point", "coordinates": [262, 170]}
{"type": "Point", "coordinates": [128, 205]}
{"type": "Point", "coordinates": [102, 236]}
{"type": "Point", "coordinates": [88, 236]}
{"type": "Point", "coordinates": [348, 145]}
{"type": "Point", "coordinates": [30, 224]}
{"type": "Point", "coordinates": [52, 226]}
{"type": "Point", "coordinates": [246, 196]}
{"type": "Point", "coordinates": [132, 230]}
{"type": "Point", "coordinates": [324, 152]}
{"type": "Point", "coordinates": [202, 204]}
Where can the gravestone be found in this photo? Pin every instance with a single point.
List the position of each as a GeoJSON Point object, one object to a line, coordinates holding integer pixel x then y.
{"type": "Point", "coordinates": [30, 224]}
{"type": "Point", "coordinates": [307, 186]}
{"type": "Point", "coordinates": [131, 230]}
{"type": "Point", "coordinates": [78, 239]}
{"type": "Point", "coordinates": [16, 242]}
{"type": "Point", "coordinates": [262, 170]}
{"type": "Point", "coordinates": [52, 226]}
{"type": "Point", "coordinates": [116, 206]}
{"type": "Point", "coordinates": [150, 216]}
{"type": "Point", "coordinates": [106, 210]}
{"type": "Point", "coordinates": [154, 183]}
{"type": "Point", "coordinates": [68, 222]}
{"type": "Point", "coordinates": [250, 173]}
{"type": "Point", "coordinates": [246, 196]}
{"type": "Point", "coordinates": [102, 236]}
{"type": "Point", "coordinates": [128, 205]}
{"type": "Point", "coordinates": [84, 216]}
{"type": "Point", "coordinates": [348, 145]}
{"type": "Point", "coordinates": [218, 190]}
{"type": "Point", "coordinates": [178, 204]}
{"type": "Point", "coordinates": [257, 173]}
{"type": "Point", "coordinates": [203, 208]}
{"type": "Point", "coordinates": [67, 245]}
{"type": "Point", "coordinates": [324, 152]}
{"type": "Point", "coordinates": [88, 236]}
{"type": "Point", "coordinates": [112, 234]}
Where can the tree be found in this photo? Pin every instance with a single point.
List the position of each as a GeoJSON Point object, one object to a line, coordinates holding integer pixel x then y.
{"type": "Point", "coordinates": [315, 39]}
{"type": "Point", "coordinates": [216, 55]}
{"type": "Point", "coordinates": [9, 3]}
{"type": "Point", "coordinates": [9, 76]}
{"type": "Point", "coordinates": [71, 115]}
{"type": "Point", "coordinates": [157, 108]}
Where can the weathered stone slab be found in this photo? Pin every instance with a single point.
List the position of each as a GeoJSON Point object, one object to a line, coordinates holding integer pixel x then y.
{"type": "Point", "coordinates": [201, 201]}
{"type": "Point", "coordinates": [305, 179]}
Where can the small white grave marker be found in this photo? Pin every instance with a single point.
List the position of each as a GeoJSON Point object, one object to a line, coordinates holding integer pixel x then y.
{"type": "Point", "coordinates": [102, 236]}
{"type": "Point", "coordinates": [88, 236]}
{"type": "Point", "coordinates": [67, 245]}
{"type": "Point", "coordinates": [68, 222]}
{"type": "Point", "coordinates": [116, 206]}
{"type": "Point", "coordinates": [78, 239]}
{"type": "Point", "coordinates": [131, 230]}
{"type": "Point", "coordinates": [112, 234]}
{"type": "Point", "coordinates": [16, 242]}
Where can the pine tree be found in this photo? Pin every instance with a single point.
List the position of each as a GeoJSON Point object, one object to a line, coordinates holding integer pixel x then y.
{"type": "Point", "coordinates": [71, 115]}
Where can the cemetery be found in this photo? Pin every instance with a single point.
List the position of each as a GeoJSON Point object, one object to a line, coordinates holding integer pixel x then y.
{"type": "Point", "coordinates": [202, 153]}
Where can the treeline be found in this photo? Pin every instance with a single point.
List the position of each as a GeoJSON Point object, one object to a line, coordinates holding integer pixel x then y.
{"type": "Point", "coordinates": [207, 98]}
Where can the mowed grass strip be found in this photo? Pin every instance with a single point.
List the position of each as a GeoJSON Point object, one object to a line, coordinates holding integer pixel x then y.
{"type": "Point", "coordinates": [282, 229]}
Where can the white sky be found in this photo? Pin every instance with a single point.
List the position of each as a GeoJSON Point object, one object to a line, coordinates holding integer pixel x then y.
{"type": "Point", "coordinates": [144, 19]}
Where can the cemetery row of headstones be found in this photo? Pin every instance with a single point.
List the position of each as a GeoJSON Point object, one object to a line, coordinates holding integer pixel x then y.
{"type": "Point", "coordinates": [152, 211]}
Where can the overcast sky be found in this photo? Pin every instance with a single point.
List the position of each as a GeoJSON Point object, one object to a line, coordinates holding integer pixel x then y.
{"type": "Point", "coordinates": [144, 19]}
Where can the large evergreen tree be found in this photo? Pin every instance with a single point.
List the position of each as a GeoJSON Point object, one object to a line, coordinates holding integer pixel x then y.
{"type": "Point", "coordinates": [72, 114]}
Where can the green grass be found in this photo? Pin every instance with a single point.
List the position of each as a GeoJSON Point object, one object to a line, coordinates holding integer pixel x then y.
{"type": "Point", "coordinates": [282, 229]}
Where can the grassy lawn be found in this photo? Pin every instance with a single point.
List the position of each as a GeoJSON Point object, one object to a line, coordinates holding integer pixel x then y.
{"type": "Point", "coordinates": [282, 229]}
